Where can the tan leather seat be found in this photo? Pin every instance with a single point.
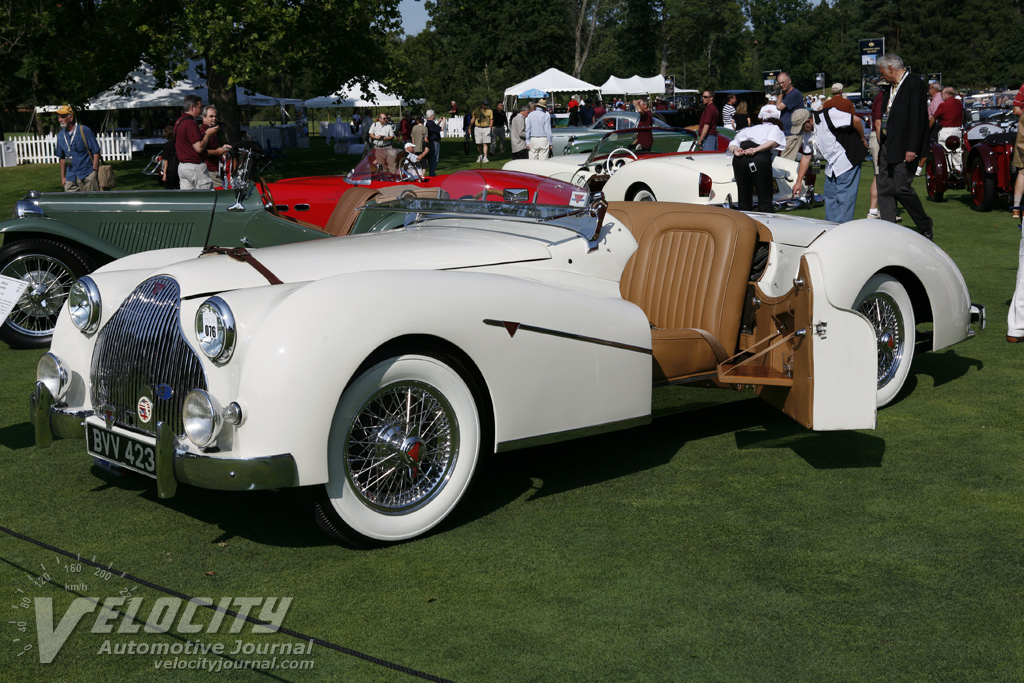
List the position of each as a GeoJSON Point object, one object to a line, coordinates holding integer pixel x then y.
{"type": "Point", "coordinates": [689, 275]}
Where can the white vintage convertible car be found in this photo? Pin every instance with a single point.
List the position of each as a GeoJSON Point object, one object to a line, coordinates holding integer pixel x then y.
{"type": "Point", "coordinates": [376, 370]}
{"type": "Point", "coordinates": [669, 172]}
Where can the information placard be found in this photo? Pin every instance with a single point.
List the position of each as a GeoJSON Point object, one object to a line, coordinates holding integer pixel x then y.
{"type": "Point", "coordinates": [11, 290]}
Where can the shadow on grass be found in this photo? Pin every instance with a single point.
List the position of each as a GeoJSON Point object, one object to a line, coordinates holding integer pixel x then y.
{"type": "Point", "coordinates": [17, 437]}
{"type": "Point", "coordinates": [943, 367]}
{"type": "Point", "coordinates": [272, 518]}
{"type": "Point", "coordinates": [594, 460]}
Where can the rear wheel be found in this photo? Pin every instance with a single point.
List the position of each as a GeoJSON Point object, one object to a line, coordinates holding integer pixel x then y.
{"type": "Point", "coordinates": [887, 306]}
{"type": "Point", "coordinates": [644, 194]}
{"type": "Point", "coordinates": [936, 189]}
{"type": "Point", "coordinates": [982, 185]}
{"type": "Point", "coordinates": [403, 447]}
{"type": "Point", "coordinates": [49, 268]}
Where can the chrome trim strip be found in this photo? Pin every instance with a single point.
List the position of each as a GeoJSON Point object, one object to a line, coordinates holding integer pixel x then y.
{"type": "Point", "coordinates": [236, 474]}
{"type": "Point", "coordinates": [570, 335]}
{"type": "Point", "coordinates": [555, 437]}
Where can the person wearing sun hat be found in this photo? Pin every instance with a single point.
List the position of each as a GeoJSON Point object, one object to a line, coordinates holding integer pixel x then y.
{"type": "Point", "coordinates": [78, 152]}
{"type": "Point", "coordinates": [538, 131]}
{"type": "Point", "coordinates": [752, 152]}
{"type": "Point", "coordinates": [414, 167]}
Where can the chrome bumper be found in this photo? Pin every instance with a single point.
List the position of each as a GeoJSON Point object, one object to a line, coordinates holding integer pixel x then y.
{"type": "Point", "coordinates": [174, 463]}
{"type": "Point", "coordinates": [977, 317]}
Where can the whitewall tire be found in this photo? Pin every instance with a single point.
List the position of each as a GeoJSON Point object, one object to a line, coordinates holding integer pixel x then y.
{"type": "Point", "coordinates": [887, 306]}
{"type": "Point", "coordinates": [403, 447]}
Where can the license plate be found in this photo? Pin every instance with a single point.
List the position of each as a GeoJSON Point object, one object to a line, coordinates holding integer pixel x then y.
{"type": "Point", "coordinates": [126, 451]}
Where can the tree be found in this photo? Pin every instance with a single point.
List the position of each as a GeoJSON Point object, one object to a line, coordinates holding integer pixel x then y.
{"type": "Point", "coordinates": [243, 41]}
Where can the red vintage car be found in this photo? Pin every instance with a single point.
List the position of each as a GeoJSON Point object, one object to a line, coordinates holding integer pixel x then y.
{"type": "Point", "coordinates": [315, 199]}
{"type": "Point", "coordinates": [986, 151]}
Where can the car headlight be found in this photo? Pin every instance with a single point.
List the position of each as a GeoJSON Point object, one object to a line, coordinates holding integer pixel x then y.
{"type": "Point", "coordinates": [203, 417]}
{"type": "Point", "coordinates": [51, 372]}
{"type": "Point", "coordinates": [215, 329]}
{"type": "Point", "coordinates": [84, 305]}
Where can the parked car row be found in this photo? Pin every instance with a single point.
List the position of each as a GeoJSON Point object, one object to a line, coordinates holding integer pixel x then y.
{"type": "Point", "coordinates": [453, 318]}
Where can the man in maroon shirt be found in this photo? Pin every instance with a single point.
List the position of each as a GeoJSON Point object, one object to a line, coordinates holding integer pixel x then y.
{"type": "Point", "coordinates": [644, 137]}
{"type": "Point", "coordinates": [190, 145]}
{"type": "Point", "coordinates": [950, 116]}
{"type": "Point", "coordinates": [214, 150]}
{"type": "Point", "coordinates": [707, 127]}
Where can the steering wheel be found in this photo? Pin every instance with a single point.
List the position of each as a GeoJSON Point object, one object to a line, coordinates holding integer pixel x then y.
{"type": "Point", "coordinates": [407, 170]}
{"type": "Point", "coordinates": [268, 198]}
{"type": "Point", "coordinates": [613, 162]}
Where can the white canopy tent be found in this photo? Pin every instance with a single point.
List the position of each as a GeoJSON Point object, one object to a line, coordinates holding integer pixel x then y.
{"type": "Point", "coordinates": [144, 93]}
{"type": "Point", "coordinates": [352, 95]}
{"type": "Point", "coordinates": [634, 85]}
{"type": "Point", "coordinates": [551, 81]}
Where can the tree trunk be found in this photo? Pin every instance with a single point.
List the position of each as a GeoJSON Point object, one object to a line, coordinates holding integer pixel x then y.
{"type": "Point", "coordinates": [225, 98]}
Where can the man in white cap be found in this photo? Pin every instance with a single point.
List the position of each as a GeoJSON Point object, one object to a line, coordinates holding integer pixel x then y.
{"type": "Point", "coordinates": [752, 152]}
{"type": "Point", "coordinates": [78, 152]}
{"type": "Point", "coordinates": [839, 102]}
{"type": "Point", "coordinates": [413, 166]}
{"type": "Point", "coordinates": [538, 131]}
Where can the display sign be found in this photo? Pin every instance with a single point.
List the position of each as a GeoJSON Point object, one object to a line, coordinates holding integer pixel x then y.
{"type": "Point", "coordinates": [870, 50]}
{"type": "Point", "coordinates": [934, 78]}
{"type": "Point", "coordinates": [819, 81]}
{"type": "Point", "coordinates": [670, 86]}
{"type": "Point", "coordinates": [11, 290]}
{"type": "Point", "coordinates": [770, 77]}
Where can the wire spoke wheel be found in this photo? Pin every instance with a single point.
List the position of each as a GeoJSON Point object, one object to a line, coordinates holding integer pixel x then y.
{"type": "Point", "coordinates": [50, 269]}
{"type": "Point", "coordinates": [403, 447]}
{"type": "Point", "coordinates": [887, 306]}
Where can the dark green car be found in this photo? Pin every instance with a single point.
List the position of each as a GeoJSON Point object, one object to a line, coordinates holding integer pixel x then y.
{"type": "Point", "coordinates": [55, 238]}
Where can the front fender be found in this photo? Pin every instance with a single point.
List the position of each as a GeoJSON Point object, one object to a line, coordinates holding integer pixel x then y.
{"type": "Point", "coordinates": [940, 171]}
{"type": "Point", "coordinates": [24, 228]}
{"type": "Point", "coordinates": [887, 246]}
{"type": "Point", "coordinates": [293, 366]}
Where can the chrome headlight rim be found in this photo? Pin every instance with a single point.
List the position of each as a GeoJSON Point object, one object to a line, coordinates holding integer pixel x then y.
{"type": "Point", "coordinates": [51, 371]}
{"type": "Point", "coordinates": [202, 417]}
{"type": "Point", "coordinates": [85, 305]}
{"type": "Point", "coordinates": [220, 347]}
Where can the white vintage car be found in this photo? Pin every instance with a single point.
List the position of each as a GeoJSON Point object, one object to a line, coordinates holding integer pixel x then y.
{"type": "Point", "coordinates": [376, 370]}
{"type": "Point", "coordinates": [669, 172]}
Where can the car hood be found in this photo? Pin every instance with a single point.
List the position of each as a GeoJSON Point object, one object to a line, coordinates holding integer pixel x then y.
{"type": "Point", "coordinates": [423, 248]}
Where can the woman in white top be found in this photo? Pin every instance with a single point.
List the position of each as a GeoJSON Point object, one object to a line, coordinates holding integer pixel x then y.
{"type": "Point", "coordinates": [752, 151]}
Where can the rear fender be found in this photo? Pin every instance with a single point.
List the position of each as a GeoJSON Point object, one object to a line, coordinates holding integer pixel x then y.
{"type": "Point", "coordinates": [988, 157]}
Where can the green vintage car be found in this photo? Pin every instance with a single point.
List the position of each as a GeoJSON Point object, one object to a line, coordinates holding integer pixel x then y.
{"type": "Point", "coordinates": [55, 238]}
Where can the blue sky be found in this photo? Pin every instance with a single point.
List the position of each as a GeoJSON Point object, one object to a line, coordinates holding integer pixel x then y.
{"type": "Point", "coordinates": [414, 16]}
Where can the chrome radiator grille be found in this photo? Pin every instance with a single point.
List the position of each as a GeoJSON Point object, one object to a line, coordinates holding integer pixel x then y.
{"type": "Point", "coordinates": [141, 352]}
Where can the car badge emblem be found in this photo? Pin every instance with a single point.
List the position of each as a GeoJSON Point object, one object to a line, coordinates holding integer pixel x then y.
{"type": "Point", "coordinates": [145, 409]}
{"type": "Point", "coordinates": [511, 328]}
{"type": "Point", "coordinates": [158, 287]}
{"type": "Point", "coordinates": [108, 416]}
{"type": "Point", "coordinates": [164, 392]}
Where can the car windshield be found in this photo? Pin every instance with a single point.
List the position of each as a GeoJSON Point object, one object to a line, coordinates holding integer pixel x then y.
{"type": "Point", "coordinates": [665, 141]}
{"type": "Point", "coordinates": [469, 193]}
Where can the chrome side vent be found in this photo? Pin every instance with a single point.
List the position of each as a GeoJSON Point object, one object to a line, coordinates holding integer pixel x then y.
{"type": "Point", "coordinates": [141, 355]}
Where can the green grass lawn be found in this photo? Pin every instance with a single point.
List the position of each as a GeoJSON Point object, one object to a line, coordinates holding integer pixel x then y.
{"type": "Point", "coordinates": [723, 543]}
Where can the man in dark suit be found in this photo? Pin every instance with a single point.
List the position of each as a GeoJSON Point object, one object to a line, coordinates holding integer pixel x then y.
{"type": "Point", "coordinates": [904, 139]}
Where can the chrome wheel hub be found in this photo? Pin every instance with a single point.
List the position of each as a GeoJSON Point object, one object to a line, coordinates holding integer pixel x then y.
{"type": "Point", "coordinates": [49, 282]}
{"type": "Point", "coordinates": [401, 447]}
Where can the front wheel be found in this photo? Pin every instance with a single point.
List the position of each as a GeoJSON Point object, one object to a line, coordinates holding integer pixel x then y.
{"type": "Point", "coordinates": [403, 446]}
{"type": "Point", "coordinates": [49, 268]}
{"type": "Point", "coordinates": [982, 185]}
{"type": "Point", "coordinates": [886, 304]}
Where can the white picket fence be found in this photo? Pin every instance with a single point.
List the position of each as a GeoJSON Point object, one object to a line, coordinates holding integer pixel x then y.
{"type": "Point", "coordinates": [42, 149]}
